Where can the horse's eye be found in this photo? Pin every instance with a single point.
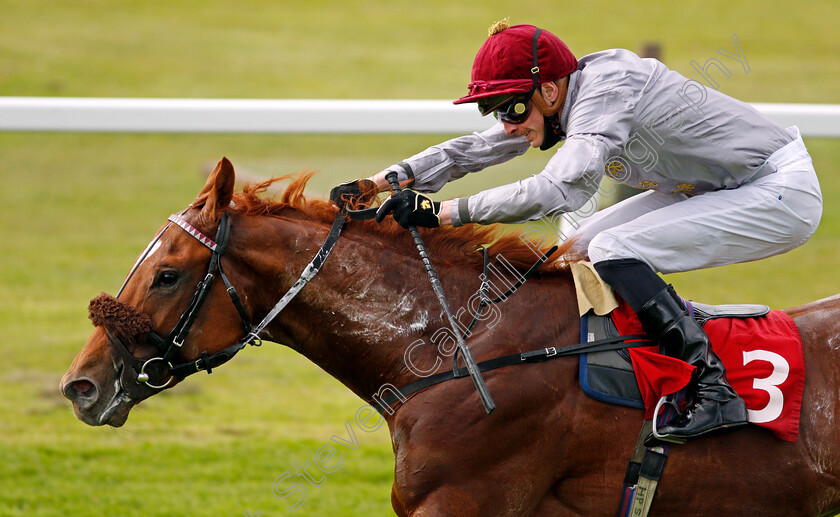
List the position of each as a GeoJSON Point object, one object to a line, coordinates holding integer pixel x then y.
{"type": "Point", "coordinates": [166, 279]}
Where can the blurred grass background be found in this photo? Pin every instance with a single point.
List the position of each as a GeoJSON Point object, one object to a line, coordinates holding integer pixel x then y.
{"type": "Point", "coordinates": [76, 209]}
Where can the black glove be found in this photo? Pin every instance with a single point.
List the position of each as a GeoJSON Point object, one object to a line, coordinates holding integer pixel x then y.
{"type": "Point", "coordinates": [354, 193]}
{"type": "Point", "coordinates": [410, 209]}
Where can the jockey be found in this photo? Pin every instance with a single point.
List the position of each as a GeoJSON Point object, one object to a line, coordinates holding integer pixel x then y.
{"type": "Point", "coordinates": [722, 184]}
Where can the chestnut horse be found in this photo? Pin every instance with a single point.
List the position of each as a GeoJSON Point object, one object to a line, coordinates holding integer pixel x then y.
{"type": "Point", "coordinates": [546, 450]}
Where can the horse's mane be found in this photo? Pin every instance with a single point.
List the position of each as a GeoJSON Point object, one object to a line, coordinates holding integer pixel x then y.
{"type": "Point", "coordinates": [447, 244]}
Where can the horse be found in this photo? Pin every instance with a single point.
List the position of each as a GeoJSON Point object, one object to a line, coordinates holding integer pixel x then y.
{"type": "Point", "coordinates": [369, 319]}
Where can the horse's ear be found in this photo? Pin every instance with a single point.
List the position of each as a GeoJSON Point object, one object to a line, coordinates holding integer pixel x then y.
{"type": "Point", "coordinates": [217, 192]}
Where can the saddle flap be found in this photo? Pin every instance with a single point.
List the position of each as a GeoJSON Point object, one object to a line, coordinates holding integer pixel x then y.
{"type": "Point", "coordinates": [704, 312]}
{"type": "Point", "coordinates": [607, 376]}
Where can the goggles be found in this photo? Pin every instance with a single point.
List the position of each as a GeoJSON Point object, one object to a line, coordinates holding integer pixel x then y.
{"type": "Point", "coordinates": [512, 109]}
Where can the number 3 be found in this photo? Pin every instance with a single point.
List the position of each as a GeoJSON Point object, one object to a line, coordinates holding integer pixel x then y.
{"type": "Point", "coordinates": [781, 369]}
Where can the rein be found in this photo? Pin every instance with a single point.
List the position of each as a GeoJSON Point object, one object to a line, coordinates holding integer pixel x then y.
{"type": "Point", "coordinates": [484, 301]}
{"type": "Point", "coordinates": [383, 405]}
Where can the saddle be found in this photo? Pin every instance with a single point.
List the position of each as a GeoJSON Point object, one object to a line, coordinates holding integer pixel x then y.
{"type": "Point", "coordinates": [760, 349]}
{"type": "Point", "coordinates": [609, 376]}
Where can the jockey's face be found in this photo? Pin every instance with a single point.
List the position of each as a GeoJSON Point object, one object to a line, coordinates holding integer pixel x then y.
{"type": "Point", "coordinates": [532, 128]}
{"type": "Point", "coordinates": [551, 97]}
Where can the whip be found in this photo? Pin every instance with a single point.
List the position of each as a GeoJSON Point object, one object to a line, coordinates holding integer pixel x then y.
{"type": "Point", "coordinates": [469, 361]}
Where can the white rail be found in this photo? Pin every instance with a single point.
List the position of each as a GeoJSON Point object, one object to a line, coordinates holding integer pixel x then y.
{"type": "Point", "coordinates": [237, 115]}
{"type": "Point", "coordinates": [301, 116]}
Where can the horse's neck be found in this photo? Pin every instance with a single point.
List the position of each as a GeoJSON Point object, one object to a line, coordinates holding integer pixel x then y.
{"type": "Point", "coordinates": [358, 317]}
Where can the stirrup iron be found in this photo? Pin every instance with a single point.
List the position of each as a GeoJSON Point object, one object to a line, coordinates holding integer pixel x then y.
{"type": "Point", "coordinates": [669, 400]}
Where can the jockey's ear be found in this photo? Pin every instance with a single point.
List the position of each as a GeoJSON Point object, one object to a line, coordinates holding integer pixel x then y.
{"type": "Point", "coordinates": [548, 96]}
{"type": "Point", "coordinates": [217, 192]}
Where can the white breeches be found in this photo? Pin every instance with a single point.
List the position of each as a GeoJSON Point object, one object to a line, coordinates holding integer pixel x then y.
{"type": "Point", "coordinates": [674, 232]}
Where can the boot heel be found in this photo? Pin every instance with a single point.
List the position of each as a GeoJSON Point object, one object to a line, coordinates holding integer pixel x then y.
{"type": "Point", "coordinates": [734, 412]}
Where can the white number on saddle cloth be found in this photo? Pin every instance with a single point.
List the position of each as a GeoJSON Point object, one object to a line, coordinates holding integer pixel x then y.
{"type": "Point", "coordinates": [770, 384]}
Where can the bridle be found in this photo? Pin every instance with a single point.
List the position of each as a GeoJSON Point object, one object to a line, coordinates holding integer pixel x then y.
{"type": "Point", "coordinates": [141, 378]}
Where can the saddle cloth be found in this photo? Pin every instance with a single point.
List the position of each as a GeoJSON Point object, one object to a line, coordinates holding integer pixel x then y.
{"type": "Point", "coordinates": [763, 358]}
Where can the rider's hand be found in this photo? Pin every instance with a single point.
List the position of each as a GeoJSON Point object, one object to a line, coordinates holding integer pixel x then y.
{"type": "Point", "coordinates": [410, 209]}
{"type": "Point", "coordinates": [354, 193]}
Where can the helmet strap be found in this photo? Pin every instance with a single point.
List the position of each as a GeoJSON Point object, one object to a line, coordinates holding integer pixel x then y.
{"type": "Point", "coordinates": [535, 68]}
{"type": "Point", "coordinates": [548, 112]}
{"type": "Point", "coordinates": [552, 133]}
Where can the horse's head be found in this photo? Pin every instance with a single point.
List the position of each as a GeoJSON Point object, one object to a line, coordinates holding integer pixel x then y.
{"type": "Point", "coordinates": [170, 319]}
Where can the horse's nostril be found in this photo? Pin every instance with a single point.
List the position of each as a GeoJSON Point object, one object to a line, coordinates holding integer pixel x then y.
{"type": "Point", "coordinates": [81, 392]}
{"type": "Point", "coordinates": [83, 387]}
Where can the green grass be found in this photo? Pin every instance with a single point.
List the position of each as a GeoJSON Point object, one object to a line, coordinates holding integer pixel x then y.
{"type": "Point", "coordinates": [78, 208]}
{"type": "Point", "coordinates": [376, 49]}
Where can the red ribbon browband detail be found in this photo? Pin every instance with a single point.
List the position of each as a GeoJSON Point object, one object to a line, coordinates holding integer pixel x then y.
{"type": "Point", "coordinates": [195, 232]}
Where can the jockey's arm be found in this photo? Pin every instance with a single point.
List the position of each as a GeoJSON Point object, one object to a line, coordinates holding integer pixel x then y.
{"type": "Point", "coordinates": [432, 168]}
{"type": "Point", "coordinates": [569, 180]}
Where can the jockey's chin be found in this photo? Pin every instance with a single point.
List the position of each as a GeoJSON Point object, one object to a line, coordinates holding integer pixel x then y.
{"type": "Point", "coordinates": [535, 139]}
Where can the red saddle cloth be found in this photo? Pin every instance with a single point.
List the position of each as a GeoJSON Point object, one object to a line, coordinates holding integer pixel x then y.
{"type": "Point", "coordinates": [764, 363]}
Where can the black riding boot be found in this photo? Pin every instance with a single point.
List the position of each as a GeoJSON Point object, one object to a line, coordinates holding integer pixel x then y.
{"type": "Point", "coordinates": [714, 405]}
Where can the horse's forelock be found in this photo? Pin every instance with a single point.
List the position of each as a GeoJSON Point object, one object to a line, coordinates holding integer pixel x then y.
{"type": "Point", "coordinates": [122, 320]}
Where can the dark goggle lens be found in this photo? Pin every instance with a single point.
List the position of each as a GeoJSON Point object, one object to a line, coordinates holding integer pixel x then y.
{"type": "Point", "coordinates": [488, 105]}
{"type": "Point", "coordinates": [515, 112]}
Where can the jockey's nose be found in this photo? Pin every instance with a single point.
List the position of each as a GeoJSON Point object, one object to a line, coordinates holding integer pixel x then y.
{"type": "Point", "coordinates": [82, 392]}
{"type": "Point", "coordinates": [510, 128]}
